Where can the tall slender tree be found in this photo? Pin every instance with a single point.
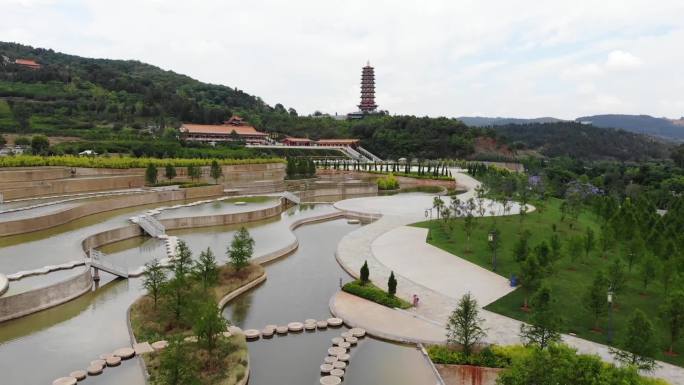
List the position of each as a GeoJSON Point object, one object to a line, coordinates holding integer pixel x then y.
{"type": "Point", "coordinates": [464, 325]}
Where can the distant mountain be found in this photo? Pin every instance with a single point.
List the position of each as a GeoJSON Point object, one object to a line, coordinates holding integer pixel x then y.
{"type": "Point", "coordinates": [583, 141]}
{"type": "Point", "coordinates": [642, 124]}
{"type": "Point", "coordinates": [483, 121]}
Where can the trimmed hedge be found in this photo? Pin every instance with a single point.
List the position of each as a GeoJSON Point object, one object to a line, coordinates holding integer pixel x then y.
{"type": "Point", "coordinates": [441, 354]}
{"type": "Point", "coordinates": [375, 294]}
{"type": "Point", "coordinates": [120, 162]}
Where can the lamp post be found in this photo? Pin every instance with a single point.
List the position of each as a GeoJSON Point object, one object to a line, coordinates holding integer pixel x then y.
{"type": "Point", "coordinates": [493, 243]}
{"type": "Point", "coordinates": [610, 316]}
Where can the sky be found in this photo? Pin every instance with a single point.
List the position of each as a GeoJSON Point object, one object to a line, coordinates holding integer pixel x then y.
{"type": "Point", "coordinates": [510, 58]}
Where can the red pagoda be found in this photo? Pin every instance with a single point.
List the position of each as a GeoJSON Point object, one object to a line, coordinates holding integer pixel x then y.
{"type": "Point", "coordinates": [368, 90]}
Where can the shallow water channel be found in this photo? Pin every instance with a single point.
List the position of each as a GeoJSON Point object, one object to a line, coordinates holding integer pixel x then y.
{"type": "Point", "coordinates": [41, 347]}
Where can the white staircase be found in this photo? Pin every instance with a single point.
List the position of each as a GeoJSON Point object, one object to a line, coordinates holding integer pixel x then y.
{"type": "Point", "coordinates": [369, 154]}
{"type": "Point", "coordinates": [151, 225]}
{"type": "Point", "coordinates": [291, 197]}
{"type": "Point", "coordinates": [97, 260]}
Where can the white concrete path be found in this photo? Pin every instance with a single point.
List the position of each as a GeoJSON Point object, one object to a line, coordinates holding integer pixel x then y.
{"type": "Point", "coordinates": [439, 287]}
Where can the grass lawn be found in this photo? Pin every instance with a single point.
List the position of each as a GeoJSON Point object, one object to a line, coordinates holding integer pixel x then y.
{"type": "Point", "coordinates": [569, 280]}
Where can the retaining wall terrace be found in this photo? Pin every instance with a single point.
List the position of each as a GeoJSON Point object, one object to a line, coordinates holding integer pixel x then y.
{"type": "Point", "coordinates": [19, 190]}
{"type": "Point", "coordinates": [403, 181]}
{"type": "Point", "coordinates": [19, 305]}
{"type": "Point", "coordinates": [46, 221]}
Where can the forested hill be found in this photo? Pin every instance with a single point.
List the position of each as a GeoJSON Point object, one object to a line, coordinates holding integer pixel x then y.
{"type": "Point", "coordinates": [83, 90]}
{"type": "Point", "coordinates": [643, 124]}
{"type": "Point", "coordinates": [583, 141]}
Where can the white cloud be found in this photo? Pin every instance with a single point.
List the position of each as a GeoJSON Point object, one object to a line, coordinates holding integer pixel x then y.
{"type": "Point", "coordinates": [621, 60]}
{"type": "Point", "coordinates": [442, 57]}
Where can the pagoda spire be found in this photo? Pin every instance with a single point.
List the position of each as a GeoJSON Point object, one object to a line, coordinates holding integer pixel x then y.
{"type": "Point", "coordinates": [368, 89]}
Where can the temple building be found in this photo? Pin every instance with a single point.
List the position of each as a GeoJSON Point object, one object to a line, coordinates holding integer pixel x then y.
{"type": "Point", "coordinates": [27, 63]}
{"type": "Point", "coordinates": [368, 90]}
{"type": "Point", "coordinates": [232, 130]}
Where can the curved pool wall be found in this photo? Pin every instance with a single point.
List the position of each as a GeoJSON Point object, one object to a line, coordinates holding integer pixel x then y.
{"type": "Point", "coordinates": [299, 287]}
{"type": "Point", "coordinates": [26, 225]}
{"type": "Point", "coordinates": [67, 337]}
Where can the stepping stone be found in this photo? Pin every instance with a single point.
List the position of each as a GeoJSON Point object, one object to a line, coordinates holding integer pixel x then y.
{"type": "Point", "coordinates": [344, 344]}
{"type": "Point", "coordinates": [330, 380]}
{"type": "Point", "coordinates": [252, 334]}
{"type": "Point", "coordinates": [282, 330]}
{"type": "Point", "coordinates": [337, 373]}
{"type": "Point", "coordinates": [124, 353]}
{"type": "Point", "coordinates": [105, 356]}
{"type": "Point", "coordinates": [190, 339]}
{"type": "Point", "coordinates": [330, 359]}
{"type": "Point", "coordinates": [114, 361]}
{"type": "Point", "coordinates": [335, 321]}
{"type": "Point", "coordinates": [295, 326]}
{"type": "Point", "coordinates": [321, 324]}
{"type": "Point", "coordinates": [98, 363]}
{"type": "Point", "coordinates": [358, 332]}
{"type": "Point", "coordinates": [352, 340]}
{"type": "Point", "coordinates": [337, 340]}
{"type": "Point", "coordinates": [326, 368]}
{"type": "Point", "coordinates": [142, 348]}
{"type": "Point", "coordinates": [343, 357]}
{"type": "Point", "coordinates": [267, 332]}
{"type": "Point", "coordinates": [159, 345]}
{"type": "Point", "coordinates": [353, 221]}
{"type": "Point", "coordinates": [310, 326]}
{"type": "Point", "coordinates": [339, 365]}
{"type": "Point", "coordinates": [336, 351]}
{"type": "Point", "coordinates": [346, 334]}
{"type": "Point", "coordinates": [94, 370]}
{"type": "Point", "coordinates": [309, 321]}
{"type": "Point", "coordinates": [78, 374]}
{"type": "Point", "coordinates": [64, 381]}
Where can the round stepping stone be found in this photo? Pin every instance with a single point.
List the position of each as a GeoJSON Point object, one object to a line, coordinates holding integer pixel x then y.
{"type": "Point", "coordinates": [282, 330]}
{"type": "Point", "coordinates": [124, 353]}
{"type": "Point", "coordinates": [335, 321]}
{"type": "Point", "coordinates": [330, 359]}
{"type": "Point", "coordinates": [326, 368]}
{"type": "Point", "coordinates": [344, 344]}
{"type": "Point", "coordinates": [337, 373]}
{"type": "Point", "coordinates": [94, 370]}
{"type": "Point", "coordinates": [322, 324]}
{"type": "Point", "coordinates": [336, 351]}
{"type": "Point", "coordinates": [339, 365]}
{"type": "Point", "coordinates": [343, 357]}
{"type": "Point", "coordinates": [337, 340]}
{"type": "Point", "coordinates": [69, 381]}
{"type": "Point", "coordinates": [252, 334]}
{"type": "Point", "coordinates": [330, 380]}
{"type": "Point", "coordinates": [346, 334]}
{"type": "Point", "coordinates": [358, 332]}
{"type": "Point", "coordinates": [234, 330]}
{"type": "Point", "coordinates": [352, 340]}
{"type": "Point", "coordinates": [114, 361]}
{"type": "Point", "coordinates": [270, 326]}
{"type": "Point", "coordinates": [78, 374]}
{"type": "Point", "coordinates": [310, 326]}
{"type": "Point", "coordinates": [159, 345]}
{"type": "Point", "coordinates": [295, 326]}
{"type": "Point", "coordinates": [105, 356]}
{"type": "Point", "coordinates": [98, 363]}
{"type": "Point", "coordinates": [267, 332]}
{"type": "Point", "coordinates": [309, 321]}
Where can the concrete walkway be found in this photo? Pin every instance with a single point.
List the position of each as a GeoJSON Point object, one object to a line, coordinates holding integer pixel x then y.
{"type": "Point", "coordinates": [386, 247]}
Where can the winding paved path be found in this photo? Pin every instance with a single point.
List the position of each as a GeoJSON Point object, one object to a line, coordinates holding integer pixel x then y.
{"type": "Point", "coordinates": [426, 271]}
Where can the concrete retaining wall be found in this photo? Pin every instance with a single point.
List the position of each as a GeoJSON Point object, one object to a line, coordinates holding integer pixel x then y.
{"type": "Point", "coordinates": [43, 222]}
{"type": "Point", "coordinates": [468, 375]}
{"type": "Point", "coordinates": [22, 304]}
{"type": "Point", "coordinates": [403, 181]}
{"type": "Point", "coordinates": [71, 186]}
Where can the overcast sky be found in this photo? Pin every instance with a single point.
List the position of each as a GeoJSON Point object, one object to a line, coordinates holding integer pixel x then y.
{"type": "Point", "coordinates": [514, 58]}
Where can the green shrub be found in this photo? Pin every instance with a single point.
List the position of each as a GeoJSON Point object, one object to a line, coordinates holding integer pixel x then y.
{"type": "Point", "coordinates": [388, 183]}
{"type": "Point", "coordinates": [375, 294]}
{"type": "Point", "coordinates": [119, 163]}
{"type": "Point", "coordinates": [441, 354]}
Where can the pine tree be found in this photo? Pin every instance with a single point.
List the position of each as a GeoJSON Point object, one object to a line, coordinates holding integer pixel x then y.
{"type": "Point", "coordinates": [544, 324]}
{"type": "Point", "coordinates": [151, 174]}
{"type": "Point", "coordinates": [595, 299]}
{"type": "Point", "coordinates": [215, 171]}
{"type": "Point", "coordinates": [672, 314]}
{"type": "Point", "coordinates": [241, 248]}
{"type": "Point", "coordinates": [154, 279]}
{"type": "Point", "coordinates": [208, 323]}
{"type": "Point", "coordinates": [639, 344]}
{"type": "Point", "coordinates": [169, 172]}
{"type": "Point", "coordinates": [463, 327]}
{"type": "Point", "coordinates": [364, 273]}
{"type": "Point", "coordinates": [205, 269]}
{"type": "Point", "coordinates": [392, 285]}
